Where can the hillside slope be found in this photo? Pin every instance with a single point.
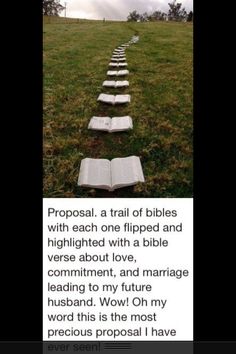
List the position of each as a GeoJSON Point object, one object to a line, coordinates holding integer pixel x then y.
{"type": "Point", "coordinates": [76, 57]}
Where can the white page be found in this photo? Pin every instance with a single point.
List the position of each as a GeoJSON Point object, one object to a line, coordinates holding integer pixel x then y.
{"type": "Point", "coordinates": [95, 173]}
{"type": "Point", "coordinates": [108, 83]}
{"type": "Point", "coordinates": [122, 72]}
{"type": "Point", "coordinates": [123, 83]}
{"type": "Point", "coordinates": [126, 171]}
{"type": "Point", "coordinates": [103, 97]}
{"type": "Point", "coordinates": [119, 99]}
{"type": "Point", "coordinates": [121, 123]}
{"type": "Point", "coordinates": [100, 123]}
{"type": "Point", "coordinates": [112, 72]}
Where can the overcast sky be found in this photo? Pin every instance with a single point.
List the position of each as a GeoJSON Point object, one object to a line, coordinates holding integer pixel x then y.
{"type": "Point", "coordinates": [116, 9]}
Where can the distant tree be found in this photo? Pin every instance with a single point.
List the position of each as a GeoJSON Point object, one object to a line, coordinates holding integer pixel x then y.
{"type": "Point", "coordinates": [157, 16]}
{"type": "Point", "coordinates": [190, 16]}
{"type": "Point", "coordinates": [52, 7]}
{"type": "Point", "coordinates": [133, 16]}
{"type": "Point", "coordinates": [176, 13]}
{"type": "Point", "coordinates": [144, 17]}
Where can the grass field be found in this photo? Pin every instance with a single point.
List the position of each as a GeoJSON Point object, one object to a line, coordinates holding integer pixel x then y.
{"type": "Point", "coordinates": [76, 57]}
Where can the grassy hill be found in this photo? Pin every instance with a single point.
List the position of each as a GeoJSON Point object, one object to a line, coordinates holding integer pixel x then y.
{"type": "Point", "coordinates": [76, 56]}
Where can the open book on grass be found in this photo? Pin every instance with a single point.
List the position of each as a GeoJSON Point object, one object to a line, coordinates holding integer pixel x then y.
{"type": "Point", "coordinates": [118, 59]}
{"type": "Point", "coordinates": [111, 99]}
{"type": "Point", "coordinates": [118, 55]}
{"type": "Point", "coordinates": [110, 175]}
{"type": "Point", "coordinates": [118, 65]}
{"type": "Point", "coordinates": [117, 73]}
{"type": "Point", "coordinates": [116, 84]}
{"type": "Point", "coordinates": [118, 51]}
{"type": "Point", "coordinates": [134, 39]}
{"type": "Point", "coordinates": [111, 125]}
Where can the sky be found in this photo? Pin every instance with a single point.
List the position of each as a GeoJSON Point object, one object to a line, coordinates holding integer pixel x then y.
{"type": "Point", "coordinates": [116, 9]}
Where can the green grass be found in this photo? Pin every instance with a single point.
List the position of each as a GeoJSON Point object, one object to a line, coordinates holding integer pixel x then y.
{"type": "Point", "coordinates": [76, 57]}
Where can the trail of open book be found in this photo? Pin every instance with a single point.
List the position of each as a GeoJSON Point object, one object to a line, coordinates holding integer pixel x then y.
{"type": "Point", "coordinates": [76, 58]}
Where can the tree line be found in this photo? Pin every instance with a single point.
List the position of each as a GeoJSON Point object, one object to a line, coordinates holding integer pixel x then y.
{"type": "Point", "coordinates": [176, 13]}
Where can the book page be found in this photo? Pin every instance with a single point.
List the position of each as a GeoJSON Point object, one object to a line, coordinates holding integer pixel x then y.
{"type": "Point", "coordinates": [121, 123]}
{"type": "Point", "coordinates": [119, 99]}
{"type": "Point", "coordinates": [123, 83]}
{"type": "Point", "coordinates": [112, 73]}
{"type": "Point", "coordinates": [126, 171]}
{"type": "Point", "coordinates": [109, 83]}
{"type": "Point", "coordinates": [100, 123]}
{"type": "Point", "coordinates": [122, 72]}
{"type": "Point", "coordinates": [103, 97]}
{"type": "Point", "coordinates": [95, 173]}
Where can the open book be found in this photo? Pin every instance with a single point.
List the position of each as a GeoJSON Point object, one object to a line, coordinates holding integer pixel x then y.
{"type": "Point", "coordinates": [118, 55]}
{"type": "Point", "coordinates": [110, 175]}
{"type": "Point", "coordinates": [111, 99]}
{"type": "Point", "coordinates": [134, 39]}
{"type": "Point", "coordinates": [117, 73]}
{"type": "Point", "coordinates": [118, 59]}
{"type": "Point", "coordinates": [118, 65]}
{"type": "Point", "coordinates": [119, 51]}
{"type": "Point", "coordinates": [116, 84]}
{"type": "Point", "coordinates": [115, 124]}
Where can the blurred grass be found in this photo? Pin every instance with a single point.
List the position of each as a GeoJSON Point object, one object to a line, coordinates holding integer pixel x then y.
{"type": "Point", "coordinates": [76, 56]}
